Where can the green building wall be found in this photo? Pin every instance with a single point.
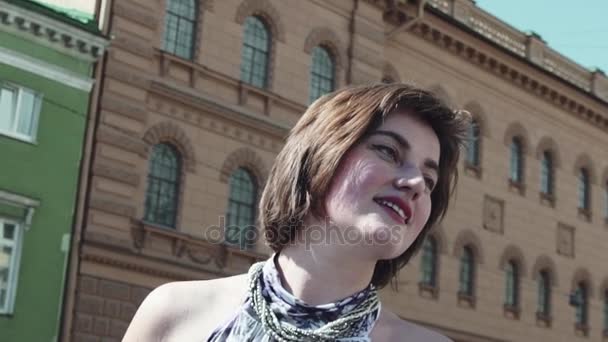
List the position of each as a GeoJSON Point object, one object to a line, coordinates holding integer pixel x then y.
{"type": "Point", "coordinates": [47, 171]}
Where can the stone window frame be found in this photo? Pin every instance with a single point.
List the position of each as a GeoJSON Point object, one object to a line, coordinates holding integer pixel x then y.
{"type": "Point", "coordinates": [584, 162]}
{"type": "Point", "coordinates": [478, 115]}
{"type": "Point", "coordinates": [513, 254]}
{"type": "Point", "coordinates": [202, 7]}
{"type": "Point", "coordinates": [467, 238]}
{"type": "Point", "coordinates": [249, 160]}
{"type": "Point", "coordinates": [264, 10]}
{"type": "Point", "coordinates": [545, 263]}
{"type": "Point", "coordinates": [514, 131]}
{"type": "Point", "coordinates": [170, 133]}
{"type": "Point", "coordinates": [548, 145]}
{"type": "Point", "coordinates": [326, 38]}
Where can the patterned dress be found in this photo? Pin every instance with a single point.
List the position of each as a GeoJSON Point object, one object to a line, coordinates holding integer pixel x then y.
{"type": "Point", "coordinates": [245, 326]}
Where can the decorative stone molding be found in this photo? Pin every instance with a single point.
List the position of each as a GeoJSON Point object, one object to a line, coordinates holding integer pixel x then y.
{"type": "Point", "coordinates": [265, 10]}
{"type": "Point", "coordinates": [516, 129]}
{"type": "Point", "coordinates": [513, 252]}
{"type": "Point", "coordinates": [547, 143]}
{"type": "Point", "coordinates": [565, 240]}
{"type": "Point", "coordinates": [52, 32]}
{"type": "Point", "coordinates": [200, 252]}
{"type": "Point", "coordinates": [468, 238]}
{"type": "Point", "coordinates": [247, 158]}
{"type": "Point", "coordinates": [582, 274]}
{"type": "Point", "coordinates": [390, 72]}
{"type": "Point", "coordinates": [329, 39]}
{"type": "Point", "coordinates": [584, 161]}
{"type": "Point", "coordinates": [493, 214]}
{"type": "Point", "coordinates": [169, 132]}
{"type": "Point", "coordinates": [543, 262]}
{"type": "Point", "coordinates": [479, 115]}
{"type": "Point", "coordinates": [515, 75]}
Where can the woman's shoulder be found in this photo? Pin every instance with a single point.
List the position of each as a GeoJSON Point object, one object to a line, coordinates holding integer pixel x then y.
{"type": "Point", "coordinates": [391, 327]}
{"type": "Point", "coordinates": [172, 306]}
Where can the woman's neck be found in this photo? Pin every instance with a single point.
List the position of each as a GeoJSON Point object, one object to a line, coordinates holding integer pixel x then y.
{"type": "Point", "coordinates": [321, 273]}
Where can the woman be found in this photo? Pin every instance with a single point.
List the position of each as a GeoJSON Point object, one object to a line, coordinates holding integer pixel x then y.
{"type": "Point", "coordinates": [369, 168]}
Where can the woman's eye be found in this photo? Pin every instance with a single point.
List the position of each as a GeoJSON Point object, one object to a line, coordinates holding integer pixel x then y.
{"type": "Point", "coordinates": [387, 151]}
{"type": "Point", "coordinates": [430, 183]}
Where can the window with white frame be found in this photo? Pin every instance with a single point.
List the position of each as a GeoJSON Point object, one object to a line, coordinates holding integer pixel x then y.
{"type": "Point", "coordinates": [19, 109]}
{"type": "Point", "coordinates": [10, 243]}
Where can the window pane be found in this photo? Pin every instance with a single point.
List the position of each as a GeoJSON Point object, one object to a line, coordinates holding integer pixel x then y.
{"type": "Point", "coordinates": [27, 113]}
{"type": "Point", "coordinates": [163, 185]}
{"type": "Point", "coordinates": [8, 103]}
{"type": "Point", "coordinates": [255, 52]}
{"type": "Point", "coordinates": [9, 231]}
{"type": "Point", "coordinates": [241, 204]}
{"type": "Point", "coordinates": [6, 255]}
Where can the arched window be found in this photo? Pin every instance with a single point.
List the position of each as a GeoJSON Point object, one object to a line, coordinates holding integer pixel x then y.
{"type": "Point", "coordinates": [429, 262]}
{"type": "Point", "coordinates": [255, 52]}
{"type": "Point", "coordinates": [581, 304]}
{"type": "Point", "coordinates": [467, 271]}
{"type": "Point", "coordinates": [180, 25]}
{"type": "Point", "coordinates": [546, 173]}
{"type": "Point", "coordinates": [583, 189]}
{"type": "Point", "coordinates": [163, 185]}
{"type": "Point", "coordinates": [516, 170]}
{"type": "Point", "coordinates": [544, 294]}
{"type": "Point", "coordinates": [241, 209]}
{"type": "Point", "coordinates": [322, 73]}
{"type": "Point", "coordinates": [512, 284]}
{"type": "Point", "coordinates": [473, 143]}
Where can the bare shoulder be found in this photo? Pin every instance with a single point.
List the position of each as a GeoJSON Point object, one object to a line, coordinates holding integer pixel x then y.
{"type": "Point", "coordinates": [170, 309]}
{"type": "Point", "coordinates": [391, 327]}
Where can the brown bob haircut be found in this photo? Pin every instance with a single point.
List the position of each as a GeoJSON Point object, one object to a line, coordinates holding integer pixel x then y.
{"type": "Point", "coordinates": [303, 170]}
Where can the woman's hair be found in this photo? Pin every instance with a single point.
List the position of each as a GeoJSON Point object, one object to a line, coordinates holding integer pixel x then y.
{"type": "Point", "coordinates": [303, 170]}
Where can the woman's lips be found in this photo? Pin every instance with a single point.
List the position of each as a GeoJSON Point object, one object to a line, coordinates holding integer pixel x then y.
{"type": "Point", "coordinates": [392, 214]}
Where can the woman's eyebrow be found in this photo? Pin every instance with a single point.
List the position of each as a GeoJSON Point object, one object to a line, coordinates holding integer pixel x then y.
{"type": "Point", "coordinates": [429, 163]}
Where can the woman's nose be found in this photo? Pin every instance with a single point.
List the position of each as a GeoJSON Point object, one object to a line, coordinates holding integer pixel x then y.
{"type": "Point", "coordinates": [410, 180]}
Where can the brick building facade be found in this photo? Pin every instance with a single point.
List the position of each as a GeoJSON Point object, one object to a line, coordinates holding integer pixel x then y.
{"type": "Point", "coordinates": [196, 100]}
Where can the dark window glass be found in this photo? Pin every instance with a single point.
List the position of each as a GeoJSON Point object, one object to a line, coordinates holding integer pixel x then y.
{"type": "Point", "coordinates": [467, 271]}
{"type": "Point", "coordinates": [321, 73]}
{"type": "Point", "coordinates": [516, 171]}
{"type": "Point", "coordinates": [544, 293]}
{"type": "Point", "coordinates": [180, 24]}
{"type": "Point", "coordinates": [241, 209]}
{"type": "Point", "coordinates": [255, 53]}
{"type": "Point", "coordinates": [163, 185]}
{"type": "Point", "coordinates": [546, 173]}
{"type": "Point", "coordinates": [429, 262]}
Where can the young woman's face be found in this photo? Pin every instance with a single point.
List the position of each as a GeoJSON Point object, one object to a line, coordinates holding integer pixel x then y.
{"type": "Point", "coordinates": [381, 191]}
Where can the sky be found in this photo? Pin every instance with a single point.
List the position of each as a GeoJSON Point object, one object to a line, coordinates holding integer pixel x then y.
{"type": "Point", "coordinates": [576, 29]}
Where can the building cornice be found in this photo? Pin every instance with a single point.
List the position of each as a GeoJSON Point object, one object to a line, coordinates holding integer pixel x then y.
{"type": "Point", "coordinates": [44, 69]}
{"type": "Point", "coordinates": [51, 32]}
